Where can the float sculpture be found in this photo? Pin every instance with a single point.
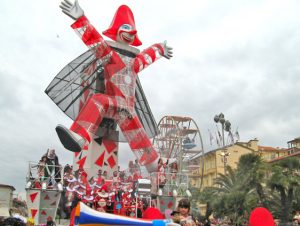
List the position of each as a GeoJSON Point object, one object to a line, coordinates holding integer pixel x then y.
{"type": "Point", "coordinates": [117, 102]}
{"type": "Point", "coordinates": [87, 216]}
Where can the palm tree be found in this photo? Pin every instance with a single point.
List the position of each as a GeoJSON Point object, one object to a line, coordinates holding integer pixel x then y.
{"type": "Point", "coordinates": [233, 198]}
{"type": "Point", "coordinates": [285, 180]}
{"type": "Point", "coordinates": [240, 190]}
{"type": "Point", "coordinates": [253, 170]}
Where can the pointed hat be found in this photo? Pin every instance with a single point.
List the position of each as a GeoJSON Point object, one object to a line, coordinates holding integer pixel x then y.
{"type": "Point", "coordinates": [123, 15]}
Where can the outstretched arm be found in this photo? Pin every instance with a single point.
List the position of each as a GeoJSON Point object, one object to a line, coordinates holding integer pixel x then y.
{"type": "Point", "coordinates": [72, 10]}
{"type": "Point", "coordinates": [150, 55]}
{"type": "Point", "coordinates": [85, 30]}
{"type": "Point", "coordinates": [168, 53]}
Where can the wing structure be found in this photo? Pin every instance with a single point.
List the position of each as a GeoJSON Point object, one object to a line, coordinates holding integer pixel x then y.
{"type": "Point", "coordinates": [73, 85]}
{"type": "Point", "coordinates": [83, 77]}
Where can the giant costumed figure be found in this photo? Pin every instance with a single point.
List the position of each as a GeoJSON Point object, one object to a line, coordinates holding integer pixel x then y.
{"type": "Point", "coordinates": [120, 79]}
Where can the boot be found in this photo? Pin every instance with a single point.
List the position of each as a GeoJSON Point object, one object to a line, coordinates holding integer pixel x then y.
{"type": "Point", "coordinates": [70, 140]}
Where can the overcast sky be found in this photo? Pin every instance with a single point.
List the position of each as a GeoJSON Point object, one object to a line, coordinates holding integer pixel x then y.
{"type": "Point", "coordinates": [236, 57]}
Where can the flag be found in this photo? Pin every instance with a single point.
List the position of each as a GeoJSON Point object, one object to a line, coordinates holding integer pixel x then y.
{"type": "Point", "coordinates": [231, 136]}
{"type": "Point", "coordinates": [218, 141]}
{"type": "Point", "coordinates": [237, 135]}
{"type": "Point", "coordinates": [211, 138]}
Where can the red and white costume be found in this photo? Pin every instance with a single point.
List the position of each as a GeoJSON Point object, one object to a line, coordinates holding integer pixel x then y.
{"type": "Point", "coordinates": [120, 73]}
{"type": "Point", "coordinates": [161, 171]}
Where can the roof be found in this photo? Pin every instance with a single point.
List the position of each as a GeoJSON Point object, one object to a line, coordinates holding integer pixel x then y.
{"type": "Point", "coordinates": [244, 145]}
{"type": "Point", "coordinates": [238, 143]}
{"type": "Point", "coordinates": [295, 139]}
{"type": "Point", "coordinates": [7, 186]}
{"type": "Point", "coordinates": [267, 148]}
{"type": "Point", "coordinates": [286, 156]}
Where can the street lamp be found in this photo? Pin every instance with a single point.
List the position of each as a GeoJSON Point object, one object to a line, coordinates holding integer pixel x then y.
{"type": "Point", "coordinates": [226, 126]}
{"type": "Point", "coordinates": [224, 154]}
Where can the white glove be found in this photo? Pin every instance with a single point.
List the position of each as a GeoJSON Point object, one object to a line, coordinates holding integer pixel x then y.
{"type": "Point", "coordinates": [168, 53]}
{"type": "Point", "coordinates": [72, 10]}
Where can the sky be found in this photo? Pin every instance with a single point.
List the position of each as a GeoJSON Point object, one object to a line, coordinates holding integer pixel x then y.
{"type": "Point", "coordinates": [236, 57]}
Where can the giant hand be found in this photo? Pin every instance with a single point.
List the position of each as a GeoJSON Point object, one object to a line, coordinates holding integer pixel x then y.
{"type": "Point", "coordinates": [168, 53]}
{"type": "Point", "coordinates": [72, 10]}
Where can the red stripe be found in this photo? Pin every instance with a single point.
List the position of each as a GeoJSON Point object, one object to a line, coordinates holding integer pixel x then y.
{"type": "Point", "coordinates": [82, 21]}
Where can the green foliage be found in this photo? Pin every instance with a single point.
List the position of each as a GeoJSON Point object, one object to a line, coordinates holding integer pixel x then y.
{"type": "Point", "coordinates": [255, 183]}
{"type": "Point", "coordinates": [284, 184]}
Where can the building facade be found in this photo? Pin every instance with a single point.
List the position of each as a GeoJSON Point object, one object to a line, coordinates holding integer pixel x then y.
{"type": "Point", "coordinates": [215, 161]}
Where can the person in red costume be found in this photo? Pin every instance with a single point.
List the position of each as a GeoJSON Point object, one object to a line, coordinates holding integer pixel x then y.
{"type": "Point", "coordinates": [120, 74]}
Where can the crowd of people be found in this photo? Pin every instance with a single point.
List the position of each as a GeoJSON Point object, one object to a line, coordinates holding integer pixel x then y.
{"type": "Point", "coordinates": [115, 194]}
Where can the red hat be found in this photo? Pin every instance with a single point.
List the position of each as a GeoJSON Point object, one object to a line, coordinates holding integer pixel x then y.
{"type": "Point", "coordinates": [261, 217]}
{"type": "Point", "coordinates": [104, 187]}
{"type": "Point", "coordinates": [152, 214]}
{"type": "Point", "coordinates": [84, 174]}
{"type": "Point", "coordinates": [123, 15]}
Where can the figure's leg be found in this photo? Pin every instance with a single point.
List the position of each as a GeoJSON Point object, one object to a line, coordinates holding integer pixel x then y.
{"type": "Point", "coordinates": [139, 142]}
{"type": "Point", "coordinates": [87, 122]}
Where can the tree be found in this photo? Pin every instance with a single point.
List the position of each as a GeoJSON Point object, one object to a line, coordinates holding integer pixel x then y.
{"type": "Point", "coordinates": [207, 196]}
{"type": "Point", "coordinates": [239, 191]}
{"type": "Point", "coordinates": [285, 180]}
{"type": "Point", "coordinates": [253, 170]}
{"type": "Point", "coordinates": [232, 196]}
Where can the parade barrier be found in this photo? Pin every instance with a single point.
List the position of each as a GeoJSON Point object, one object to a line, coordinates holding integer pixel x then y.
{"type": "Point", "coordinates": [87, 216]}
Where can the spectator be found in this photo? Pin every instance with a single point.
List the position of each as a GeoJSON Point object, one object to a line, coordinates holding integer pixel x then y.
{"type": "Point", "coordinates": [12, 221]}
{"type": "Point", "coordinates": [175, 215]}
{"type": "Point", "coordinates": [99, 179]}
{"type": "Point", "coordinates": [297, 217]}
{"type": "Point", "coordinates": [161, 171]}
{"type": "Point", "coordinates": [50, 221]}
{"type": "Point", "coordinates": [137, 167]}
{"type": "Point", "coordinates": [184, 207]}
{"type": "Point", "coordinates": [41, 168]}
{"type": "Point", "coordinates": [52, 167]}
{"type": "Point", "coordinates": [174, 169]}
{"type": "Point", "coordinates": [131, 167]}
{"type": "Point", "coordinates": [105, 175]}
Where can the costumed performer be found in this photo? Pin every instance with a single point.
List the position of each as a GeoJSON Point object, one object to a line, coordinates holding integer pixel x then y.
{"type": "Point", "coordinates": [120, 74]}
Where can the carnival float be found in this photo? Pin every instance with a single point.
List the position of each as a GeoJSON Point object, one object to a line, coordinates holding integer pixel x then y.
{"type": "Point", "coordinates": [101, 92]}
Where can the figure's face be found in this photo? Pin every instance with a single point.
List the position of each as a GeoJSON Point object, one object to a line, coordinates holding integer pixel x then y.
{"type": "Point", "coordinates": [183, 210]}
{"type": "Point", "coordinates": [126, 34]}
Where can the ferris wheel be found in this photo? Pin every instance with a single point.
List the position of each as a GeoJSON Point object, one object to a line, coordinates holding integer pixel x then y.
{"type": "Point", "coordinates": [179, 138]}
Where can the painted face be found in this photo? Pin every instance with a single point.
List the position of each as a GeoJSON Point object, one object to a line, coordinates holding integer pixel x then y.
{"type": "Point", "coordinates": [126, 34]}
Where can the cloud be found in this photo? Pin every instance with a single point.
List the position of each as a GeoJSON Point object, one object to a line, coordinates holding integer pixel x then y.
{"type": "Point", "coordinates": [235, 57]}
